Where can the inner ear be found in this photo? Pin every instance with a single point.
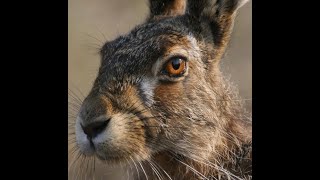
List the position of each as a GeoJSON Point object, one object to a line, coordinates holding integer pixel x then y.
{"type": "Point", "coordinates": [167, 7]}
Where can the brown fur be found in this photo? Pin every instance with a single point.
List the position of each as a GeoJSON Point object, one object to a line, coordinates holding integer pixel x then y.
{"type": "Point", "coordinates": [193, 126]}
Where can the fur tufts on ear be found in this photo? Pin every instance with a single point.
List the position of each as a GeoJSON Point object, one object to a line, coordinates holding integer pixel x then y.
{"type": "Point", "coordinates": [213, 8]}
{"type": "Point", "coordinates": [196, 8]}
{"type": "Point", "coordinates": [217, 16]}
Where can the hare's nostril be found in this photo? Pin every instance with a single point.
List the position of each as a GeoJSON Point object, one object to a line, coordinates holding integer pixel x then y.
{"type": "Point", "coordinates": [95, 128]}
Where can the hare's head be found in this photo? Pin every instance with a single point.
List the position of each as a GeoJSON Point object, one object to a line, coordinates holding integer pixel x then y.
{"type": "Point", "coordinates": [159, 87]}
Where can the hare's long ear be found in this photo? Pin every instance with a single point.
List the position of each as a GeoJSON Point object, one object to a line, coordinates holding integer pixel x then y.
{"type": "Point", "coordinates": [218, 14]}
{"type": "Point", "coordinates": [167, 7]}
{"type": "Point", "coordinates": [213, 8]}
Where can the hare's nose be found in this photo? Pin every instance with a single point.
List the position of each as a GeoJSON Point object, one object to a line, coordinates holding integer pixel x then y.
{"type": "Point", "coordinates": [95, 128]}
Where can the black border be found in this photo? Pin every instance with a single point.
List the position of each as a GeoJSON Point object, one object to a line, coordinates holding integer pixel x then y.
{"type": "Point", "coordinates": [34, 89]}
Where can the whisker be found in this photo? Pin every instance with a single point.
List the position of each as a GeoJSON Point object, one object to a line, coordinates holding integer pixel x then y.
{"type": "Point", "coordinates": [161, 169]}
{"type": "Point", "coordinates": [135, 166]}
{"type": "Point", "coordinates": [192, 169]}
{"type": "Point", "coordinates": [93, 37]}
{"type": "Point", "coordinates": [143, 170]}
{"type": "Point", "coordinates": [154, 169]}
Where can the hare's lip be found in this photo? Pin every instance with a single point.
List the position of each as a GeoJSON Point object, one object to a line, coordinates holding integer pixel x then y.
{"type": "Point", "coordinates": [89, 151]}
{"type": "Point", "coordinates": [99, 156]}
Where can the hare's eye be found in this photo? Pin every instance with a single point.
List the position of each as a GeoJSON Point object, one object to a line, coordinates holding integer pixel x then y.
{"type": "Point", "coordinates": [175, 66]}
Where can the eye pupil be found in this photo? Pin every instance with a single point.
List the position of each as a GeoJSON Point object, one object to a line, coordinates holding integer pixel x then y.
{"type": "Point", "coordinates": [175, 67]}
{"type": "Point", "coordinates": [176, 64]}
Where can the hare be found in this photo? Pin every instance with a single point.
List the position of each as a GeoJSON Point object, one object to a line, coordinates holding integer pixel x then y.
{"type": "Point", "coordinates": [160, 102]}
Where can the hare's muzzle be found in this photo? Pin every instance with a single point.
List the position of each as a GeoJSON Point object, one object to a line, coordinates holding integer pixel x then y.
{"type": "Point", "coordinates": [92, 123]}
{"type": "Point", "coordinates": [111, 130]}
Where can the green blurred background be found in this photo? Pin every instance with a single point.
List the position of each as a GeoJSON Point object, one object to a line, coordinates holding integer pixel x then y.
{"type": "Point", "coordinates": [92, 22]}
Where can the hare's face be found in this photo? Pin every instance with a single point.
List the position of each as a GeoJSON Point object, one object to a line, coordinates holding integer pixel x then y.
{"type": "Point", "coordinates": [156, 90]}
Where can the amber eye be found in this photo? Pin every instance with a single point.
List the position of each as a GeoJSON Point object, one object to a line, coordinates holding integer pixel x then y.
{"type": "Point", "coordinates": [175, 66]}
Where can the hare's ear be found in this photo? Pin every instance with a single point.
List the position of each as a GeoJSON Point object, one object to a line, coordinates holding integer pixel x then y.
{"type": "Point", "coordinates": [213, 8]}
{"type": "Point", "coordinates": [167, 7]}
{"type": "Point", "coordinates": [217, 16]}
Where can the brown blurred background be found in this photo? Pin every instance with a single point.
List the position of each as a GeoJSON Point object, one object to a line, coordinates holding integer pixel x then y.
{"type": "Point", "coordinates": [92, 22]}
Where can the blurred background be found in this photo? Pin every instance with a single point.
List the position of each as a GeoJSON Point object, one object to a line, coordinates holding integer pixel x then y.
{"type": "Point", "coordinates": [91, 23]}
